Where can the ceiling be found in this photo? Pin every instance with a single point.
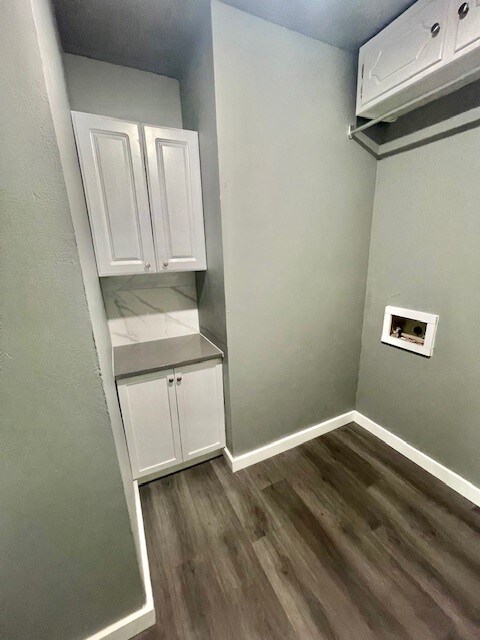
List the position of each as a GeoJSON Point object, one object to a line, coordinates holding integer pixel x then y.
{"type": "Point", "coordinates": [157, 35]}
{"type": "Point", "coordinates": [153, 35]}
{"type": "Point", "coordinates": [344, 23]}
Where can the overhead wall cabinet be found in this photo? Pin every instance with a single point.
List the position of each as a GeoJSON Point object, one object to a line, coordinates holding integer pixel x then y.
{"type": "Point", "coordinates": [431, 49]}
{"type": "Point", "coordinates": [173, 170]}
{"type": "Point", "coordinates": [172, 416]}
{"type": "Point", "coordinates": [143, 190]}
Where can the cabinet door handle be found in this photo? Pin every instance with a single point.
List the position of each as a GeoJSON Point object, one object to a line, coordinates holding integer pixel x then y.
{"type": "Point", "coordinates": [147, 265]}
{"type": "Point", "coordinates": [179, 378]}
{"type": "Point", "coordinates": [171, 379]}
{"type": "Point", "coordinates": [435, 30]}
{"type": "Point", "coordinates": [463, 10]}
{"type": "Point", "coordinates": [165, 263]}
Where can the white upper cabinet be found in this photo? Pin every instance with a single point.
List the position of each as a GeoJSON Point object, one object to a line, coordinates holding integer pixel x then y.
{"type": "Point", "coordinates": [138, 228]}
{"type": "Point", "coordinates": [113, 171]}
{"type": "Point", "coordinates": [430, 50]}
{"type": "Point", "coordinates": [410, 45]}
{"type": "Point", "coordinates": [175, 186]}
{"type": "Point", "coordinates": [466, 16]}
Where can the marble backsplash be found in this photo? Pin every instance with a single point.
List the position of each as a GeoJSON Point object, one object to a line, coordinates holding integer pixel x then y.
{"type": "Point", "coordinates": [150, 307]}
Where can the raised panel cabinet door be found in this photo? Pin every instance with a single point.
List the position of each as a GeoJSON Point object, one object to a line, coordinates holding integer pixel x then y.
{"type": "Point", "coordinates": [200, 408]}
{"type": "Point", "coordinates": [173, 169]}
{"type": "Point", "coordinates": [150, 417]}
{"type": "Point", "coordinates": [114, 181]}
{"type": "Point", "coordinates": [466, 18]}
{"type": "Point", "coordinates": [410, 45]}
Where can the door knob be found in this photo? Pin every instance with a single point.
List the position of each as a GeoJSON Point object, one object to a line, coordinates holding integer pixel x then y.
{"type": "Point", "coordinates": [463, 10]}
{"type": "Point", "coordinates": [435, 30]}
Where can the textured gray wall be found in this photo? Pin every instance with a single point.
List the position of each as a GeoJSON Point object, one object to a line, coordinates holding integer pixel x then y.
{"type": "Point", "coordinates": [52, 60]}
{"type": "Point", "coordinates": [122, 92]}
{"type": "Point", "coordinates": [198, 108]}
{"type": "Point", "coordinates": [425, 255]}
{"type": "Point", "coordinates": [69, 565]}
{"type": "Point", "coordinates": [296, 200]}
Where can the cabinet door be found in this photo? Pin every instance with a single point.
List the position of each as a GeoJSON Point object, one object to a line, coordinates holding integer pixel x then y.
{"type": "Point", "coordinates": [466, 17]}
{"type": "Point", "coordinates": [200, 408]}
{"type": "Point", "coordinates": [114, 181]}
{"type": "Point", "coordinates": [173, 167]}
{"type": "Point", "coordinates": [150, 418]}
{"type": "Point", "coordinates": [407, 47]}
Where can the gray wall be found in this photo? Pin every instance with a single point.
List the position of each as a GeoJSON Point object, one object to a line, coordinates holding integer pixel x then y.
{"type": "Point", "coordinates": [69, 565]}
{"type": "Point", "coordinates": [296, 200]}
{"type": "Point", "coordinates": [199, 114]}
{"type": "Point", "coordinates": [198, 108]}
{"type": "Point", "coordinates": [425, 255]}
{"type": "Point", "coordinates": [52, 60]}
{"type": "Point", "coordinates": [122, 92]}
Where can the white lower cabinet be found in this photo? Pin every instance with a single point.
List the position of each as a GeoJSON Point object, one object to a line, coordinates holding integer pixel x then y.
{"type": "Point", "coordinates": [200, 409]}
{"type": "Point", "coordinates": [172, 416]}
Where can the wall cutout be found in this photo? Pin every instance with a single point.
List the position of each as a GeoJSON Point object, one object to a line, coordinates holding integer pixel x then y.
{"type": "Point", "coordinates": [411, 330]}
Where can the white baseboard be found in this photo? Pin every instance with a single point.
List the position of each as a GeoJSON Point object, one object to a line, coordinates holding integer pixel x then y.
{"type": "Point", "coordinates": [450, 478]}
{"type": "Point", "coordinates": [284, 444]}
{"type": "Point", "coordinates": [139, 620]}
{"type": "Point", "coordinates": [143, 618]}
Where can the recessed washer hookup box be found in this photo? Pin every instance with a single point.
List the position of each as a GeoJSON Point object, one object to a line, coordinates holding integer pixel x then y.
{"type": "Point", "coordinates": [409, 329]}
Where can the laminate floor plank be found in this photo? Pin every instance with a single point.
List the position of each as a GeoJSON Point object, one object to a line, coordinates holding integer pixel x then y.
{"type": "Point", "coordinates": [288, 561]}
{"type": "Point", "coordinates": [366, 542]}
{"type": "Point", "coordinates": [408, 537]}
{"type": "Point", "coordinates": [341, 538]}
{"type": "Point", "coordinates": [433, 488]}
{"type": "Point", "coordinates": [429, 517]}
{"type": "Point", "coordinates": [447, 551]}
{"type": "Point", "coordinates": [384, 497]}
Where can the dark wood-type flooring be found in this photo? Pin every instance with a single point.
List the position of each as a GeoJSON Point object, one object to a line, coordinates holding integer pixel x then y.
{"type": "Point", "coordinates": [341, 538]}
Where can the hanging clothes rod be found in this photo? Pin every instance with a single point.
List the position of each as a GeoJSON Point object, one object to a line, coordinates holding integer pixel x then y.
{"type": "Point", "coordinates": [352, 129]}
{"type": "Point", "coordinates": [394, 113]}
{"type": "Point", "coordinates": [456, 83]}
